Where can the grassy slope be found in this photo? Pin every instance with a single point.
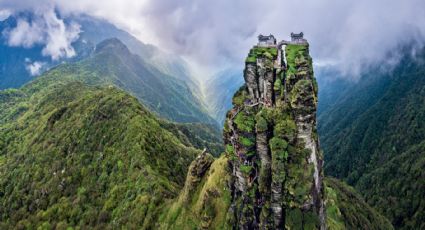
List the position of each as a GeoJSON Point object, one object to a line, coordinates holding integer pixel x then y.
{"type": "Point", "coordinates": [203, 206]}
{"type": "Point", "coordinates": [84, 156]}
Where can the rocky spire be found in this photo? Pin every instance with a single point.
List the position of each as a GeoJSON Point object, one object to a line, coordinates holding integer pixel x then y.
{"type": "Point", "coordinates": [270, 136]}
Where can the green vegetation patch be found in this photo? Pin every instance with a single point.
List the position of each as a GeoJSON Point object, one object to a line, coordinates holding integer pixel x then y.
{"type": "Point", "coordinates": [245, 168]}
{"type": "Point", "coordinates": [247, 142]}
{"type": "Point", "coordinates": [295, 50]}
{"type": "Point", "coordinates": [294, 55]}
{"type": "Point", "coordinates": [277, 84]}
{"type": "Point", "coordinates": [285, 128]}
{"type": "Point", "coordinates": [229, 149]}
{"type": "Point", "coordinates": [278, 147]}
{"type": "Point", "coordinates": [334, 216]}
{"type": "Point", "coordinates": [245, 122]}
{"type": "Point", "coordinates": [302, 91]}
{"type": "Point", "coordinates": [208, 209]}
{"type": "Point", "coordinates": [261, 122]}
{"type": "Point", "coordinates": [261, 52]}
{"type": "Point", "coordinates": [240, 96]}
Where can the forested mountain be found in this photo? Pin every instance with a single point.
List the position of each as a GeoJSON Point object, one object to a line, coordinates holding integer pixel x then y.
{"type": "Point", "coordinates": [112, 63]}
{"type": "Point", "coordinates": [372, 133]}
{"type": "Point", "coordinates": [77, 155]}
{"type": "Point", "coordinates": [97, 30]}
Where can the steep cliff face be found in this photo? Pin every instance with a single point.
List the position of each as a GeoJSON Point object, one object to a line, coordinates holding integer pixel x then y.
{"type": "Point", "coordinates": [270, 136]}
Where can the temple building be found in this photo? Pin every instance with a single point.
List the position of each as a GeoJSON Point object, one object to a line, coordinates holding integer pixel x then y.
{"type": "Point", "coordinates": [298, 38]}
{"type": "Point", "coordinates": [264, 40]}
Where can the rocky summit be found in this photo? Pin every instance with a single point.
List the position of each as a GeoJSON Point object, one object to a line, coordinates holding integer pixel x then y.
{"type": "Point", "coordinates": [270, 136]}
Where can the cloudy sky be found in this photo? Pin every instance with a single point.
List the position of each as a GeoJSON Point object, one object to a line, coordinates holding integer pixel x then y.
{"type": "Point", "coordinates": [213, 35]}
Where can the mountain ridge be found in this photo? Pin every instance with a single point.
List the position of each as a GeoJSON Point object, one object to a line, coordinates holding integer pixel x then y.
{"type": "Point", "coordinates": [112, 63]}
{"type": "Point", "coordinates": [70, 136]}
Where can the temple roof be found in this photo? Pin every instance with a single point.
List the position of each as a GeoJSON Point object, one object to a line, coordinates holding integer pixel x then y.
{"type": "Point", "coordinates": [300, 35]}
{"type": "Point", "coordinates": [265, 37]}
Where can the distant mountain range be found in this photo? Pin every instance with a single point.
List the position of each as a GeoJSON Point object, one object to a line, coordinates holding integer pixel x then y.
{"type": "Point", "coordinates": [97, 30]}
{"type": "Point", "coordinates": [219, 92]}
{"type": "Point", "coordinates": [177, 95]}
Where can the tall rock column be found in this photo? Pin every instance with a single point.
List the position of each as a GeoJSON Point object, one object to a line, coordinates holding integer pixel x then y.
{"type": "Point", "coordinates": [270, 136]}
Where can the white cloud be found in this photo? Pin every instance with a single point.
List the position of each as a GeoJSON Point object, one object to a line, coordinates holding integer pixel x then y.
{"type": "Point", "coordinates": [34, 68]}
{"type": "Point", "coordinates": [25, 34]}
{"type": "Point", "coordinates": [354, 33]}
{"type": "Point", "coordinates": [46, 29]}
{"type": "Point", "coordinates": [59, 37]}
{"type": "Point", "coordinates": [4, 14]}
